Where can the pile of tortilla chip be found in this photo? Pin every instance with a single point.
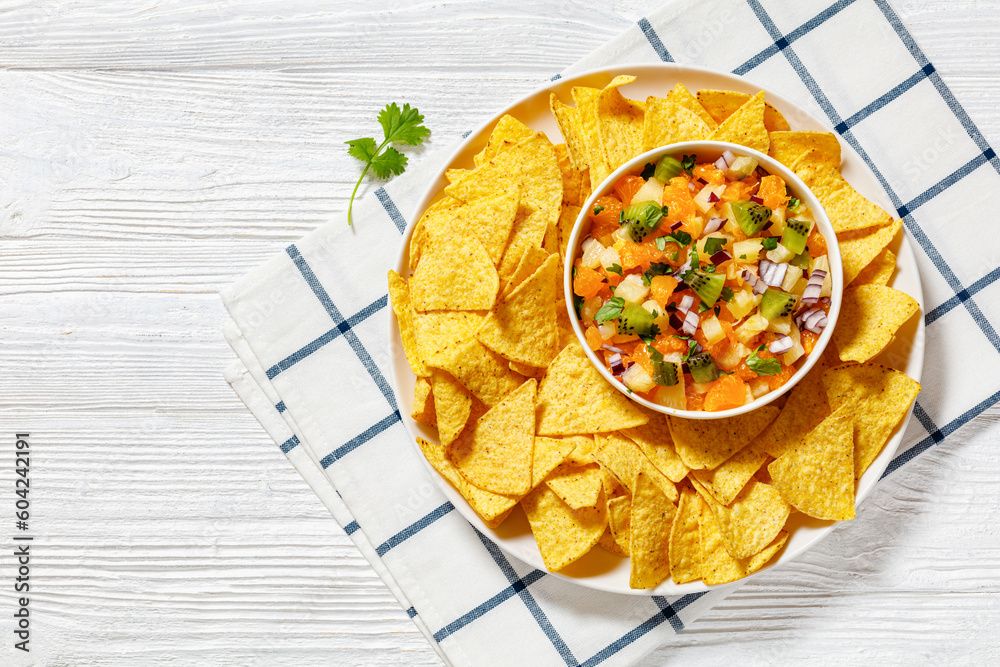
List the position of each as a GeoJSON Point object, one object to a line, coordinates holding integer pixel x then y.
{"type": "Point", "coordinates": [524, 418]}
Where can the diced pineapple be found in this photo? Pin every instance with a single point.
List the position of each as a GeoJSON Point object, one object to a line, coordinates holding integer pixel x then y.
{"type": "Point", "coordinates": [631, 289]}
{"type": "Point", "coordinates": [592, 250]}
{"type": "Point", "coordinates": [608, 330]}
{"type": "Point", "coordinates": [790, 357]}
{"type": "Point", "coordinates": [701, 199]}
{"type": "Point", "coordinates": [777, 221]}
{"type": "Point", "coordinates": [780, 254]}
{"type": "Point", "coordinates": [673, 396]}
{"type": "Point", "coordinates": [741, 304]}
{"type": "Point", "coordinates": [741, 168]}
{"type": "Point", "coordinates": [754, 325]}
{"type": "Point", "coordinates": [713, 330]}
{"type": "Point", "coordinates": [653, 308]}
{"type": "Point", "coordinates": [700, 244]}
{"type": "Point", "coordinates": [747, 252]}
{"type": "Point", "coordinates": [609, 257]}
{"type": "Point", "coordinates": [759, 387]}
{"type": "Point", "coordinates": [637, 379]}
{"type": "Point", "coordinates": [782, 325]}
{"type": "Point", "coordinates": [791, 277]}
{"type": "Point", "coordinates": [823, 264]}
{"type": "Point", "coordinates": [651, 191]}
{"type": "Point", "coordinates": [800, 286]}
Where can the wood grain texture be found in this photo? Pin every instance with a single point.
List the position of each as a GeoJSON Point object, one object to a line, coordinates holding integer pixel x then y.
{"type": "Point", "coordinates": [152, 153]}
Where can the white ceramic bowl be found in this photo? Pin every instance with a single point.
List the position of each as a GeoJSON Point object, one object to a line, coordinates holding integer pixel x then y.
{"type": "Point", "coordinates": [709, 151]}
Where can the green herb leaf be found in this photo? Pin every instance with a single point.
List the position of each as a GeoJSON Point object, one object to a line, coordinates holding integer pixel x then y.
{"type": "Point", "coordinates": [615, 268]}
{"type": "Point", "coordinates": [702, 307]}
{"type": "Point", "coordinates": [770, 242]}
{"type": "Point", "coordinates": [679, 237]}
{"type": "Point", "coordinates": [692, 346]}
{"type": "Point", "coordinates": [709, 268]}
{"type": "Point", "coordinates": [390, 163]}
{"type": "Point", "coordinates": [714, 244]}
{"type": "Point", "coordinates": [793, 204]}
{"type": "Point", "coordinates": [402, 125]}
{"type": "Point", "coordinates": [364, 149]}
{"type": "Point", "coordinates": [688, 163]}
{"type": "Point", "coordinates": [763, 366]}
{"type": "Point", "coordinates": [647, 171]}
{"type": "Point", "coordinates": [727, 293]}
{"type": "Point", "coordinates": [661, 243]}
{"type": "Point", "coordinates": [611, 310]}
{"type": "Point", "coordinates": [598, 209]}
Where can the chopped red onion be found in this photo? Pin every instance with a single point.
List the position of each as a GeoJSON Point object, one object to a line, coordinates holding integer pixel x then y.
{"type": "Point", "coordinates": [814, 286]}
{"type": "Point", "coordinates": [813, 320]}
{"type": "Point", "coordinates": [712, 197]}
{"type": "Point", "coordinates": [686, 303]}
{"type": "Point", "coordinates": [720, 257]}
{"type": "Point", "coordinates": [676, 226]}
{"type": "Point", "coordinates": [767, 225]}
{"type": "Point", "coordinates": [721, 165]}
{"type": "Point", "coordinates": [756, 200]}
{"type": "Point", "coordinates": [781, 344]}
{"type": "Point", "coordinates": [617, 365]}
{"type": "Point", "coordinates": [676, 322]}
{"type": "Point", "coordinates": [729, 158]}
{"type": "Point", "coordinates": [772, 273]}
{"type": "Point", "coordinates": [758, 285]}
{"type": "Point", "coordinates": [612, 348]}
{"type": "Point", "coordinates": [714, 225]}
{"type": "Point", "coordinates": [691, 321]}
{"type": "Point", "coordinates": [692, 187]}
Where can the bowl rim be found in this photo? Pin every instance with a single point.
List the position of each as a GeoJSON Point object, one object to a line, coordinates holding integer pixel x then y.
{"type": "Point", "coordinates": [770, 165]}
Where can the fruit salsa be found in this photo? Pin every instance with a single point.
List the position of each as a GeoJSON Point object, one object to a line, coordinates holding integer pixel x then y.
{"type": "Point", "coordinates": [702, 285]}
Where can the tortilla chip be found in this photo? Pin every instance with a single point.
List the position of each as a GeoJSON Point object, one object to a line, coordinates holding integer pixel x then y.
{"type": "Point", "coordinates": [745, 126]}
{"type": "Point", "coordinates": [858, 249]}
{"type": "Point", "coordinates": [496, 454]}
{"type": "Point", "coordinates": [577, 486]}
{"type": "Point", "coordinates": [586, 103]}
{"type": "Point", "coordinates": [491, 507]}
{"type": "Point", "coordinates": [620, 520]}
{"type": "Point", "coordinates": [726, 481]}
{"type": "Point", "coordinates": [572, 178]}
{"type": "Point", "coordinates": [751, 521]}
{"type": "Point", "coordinates": [438, 334]}
{"type": "Point", "coordinates": [529, 168]}
{"type": "Point", "coordinates": [548, 455]}
{"type": "Point", "coordinates": [531, 261]}
{"type": "Point", "coordinates": [429, 218]}
{"type": "Point", "coordinates": [787, 147]}
{"type": "Point", "coordinates": [608, 542]}
{"type": "Point", "coordinates": [649, 534]}
{"type": "Point", "coordinates": [847, 209]}
{"type": "Point", "coordinates": [721, 104]}
{"type": "Point", "coordinates": [619, 123]}
{"type": "Point", "coordinates": [624, 460]}
{"type": "Point", "coordinates": [667, 122]}
{"type": "Point", "coordinates": [399, 294]}
{"type": "Point", "coordinates": [583, 450]}
{"type": "Point", "coordinates": [805, 408]}
{"type": "Point", "coordinates": [682, 96]}
{"type": "Point", "coordinates": [527, 371]}
{"type": "Point", "coordinates": [612, 489]}
{"type": "Point", "coordinates": [455, 175]}
{"type": "Point", "coordinates": [454, 276]}
{"type": "Point", "coordinates": [816, 476]}
{"type": "Point", "coordinates": [488, 218]}
{"type": "Point", "coordinates": [452, 406]}
{"type": "Point", "coordinates": [568, 119]}
{"type": "Point", "coordinates": [880, 397]}
{"type": "Point", "coordinates": [574, 398]}
{"type": "Point", "coordinates": [567, 220]}
{"type": "Point", "coordinates": [562, 534]}
{"type": "Point", "coordinates": [869, 318]}
{"type": "Point", "coordinates": [706, 443]}
{"type": "Point", "coordinates": [522, 327]}
{"type": "Point", "coordinates": [685, 541]}
{"type": "Point", "coordinates": [717, 566]}
{"type": "Point", "coordinates": [528, 232]}
{"type": "Point", "coordinates": [423, 403]}
{"type": "Point", "coordinates": [656, 443]}
{"type": "Point", "coordinates": [506, 133]}
{"type": "Point", "coordinates": [879, 272]}
{"type": "Point", "coordinates": [483, 372]}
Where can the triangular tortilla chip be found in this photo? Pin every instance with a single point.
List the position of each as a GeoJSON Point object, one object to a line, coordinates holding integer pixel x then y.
{"type": "Point", "coordinates": [847, 209]}
{"type": "Point", "coordinates": [562, 534]}
{"type": "Point", "coordinates": [656, 443]}
{"type": "Point", "coordinates": [496, 454]}
{"type": "Point", "coordinates": [454, 276]}
{"type": "Point", "coordinates": [430, 218]}
{"type": "Point", "coordinates": [586, 103]}
{"type": "Point", "coordinates": [567, 220]}
{"type": "Point", "coordinates": [548, 454]}
{"type": "Point", "coordinates": [706, 443]}
{"type": "Point", "coordinates": [682, 96]}
{"type": "Point", "coordinates": [667, 122]}
{"type": "Point", "coordinates": [399, 294]}
{"type": "Point", "coordinates": [620, 520]}
{"type": "Point", "coordinates": [492, 507]}
{"type": "Point", "coordinates": [531, 261]}
{"type": "Point", "coordinates": [624, 460]}
{"type": "Point", "coordinates": [722, 104]}
{"type": "Point", "coordinates": [816, 476]}
{"type": "Point", "coordinates": [879, 271]}
{"type": "Point", "coordinates": [751, 521]}
{"type": "Point", "coordinates": [574, 398]}
{"type": "Point", "coordinates": [746, 126]}
{"type": "Point", "coordinates": [568, 119]}
{"type": "Point", "coordinates": [870, 315]}
{"type": "Point", "coordinates": [522, 327]}
{"type": "Point", "coordinates": [528, 232]}
{"type": "Point", "coordinates": [608, 542]}
{"type": "Point", "coordinates": [452, 406]}
{"type": "Point", "coordinates": [439, 333]}
{"type": "Point", "coordinates": [726, 481]}
{"type": "Point", "coordinates": [805, 408]}
{"type": "Point", "coordinates": [482, 371]}
{"type": "Point", "coordinates": [489, 218]}
{"type": "Point", "coordinates": [717, 566]}
{"type": "Point", "coordinates": [423, 403]}
{"type": "Point", "coordinates": [575, 182]}
{"type": "Point", "coordinates": [619, 123]}
{"type": "Point", "coordinates": [685, 542]}
{"type": "Point", "coordinates": [858, 249]}
{"type": "Point", "coordinates": [577, 486]}
{"type": "Point", "coordinates": [787, 147]}
{"type": "Point", "coordinates": [649, 534]}
{"type": "Point", "coordinates": [506, 133]}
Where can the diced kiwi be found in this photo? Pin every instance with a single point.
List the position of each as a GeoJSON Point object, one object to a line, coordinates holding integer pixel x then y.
{"type": "Point", "coordinates": [750, 216]}
{"type": "Point", "coordinates": [795, 235]}
{"type": "Point", "coordinates": [801, 260]}
{"type": "Point", "coordinates": [636, 320]}
{"type": "Point", "coordinates": [641, 219]}
{"type": "Point", "coordinates": [702, 368]}
{"type": "Point", "coordinates": [668, 167]}
{"type": "Point", "coordinates": [708, 286]}
{"type": "Point", "coordinates": [665, 373]}
{"type": "Point", "coordinates": [776, 303]}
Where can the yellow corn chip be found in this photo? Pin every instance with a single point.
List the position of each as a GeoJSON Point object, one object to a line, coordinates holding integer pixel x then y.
{"type": "Point", "coordinates": [431, 218]}
{"type": "Point", "coordinates": [706, 443]}
{"type": "Point", "coordinates": [568, 119]}
{"type": "Point", "coordinates": [496, 453]}
{"type": "Point", "coordinates": [879, 272]}
{"type": "Point", "coordinates": [573, 178]}
{"type": "Point", "coordinates": [566, 222]}
{"type": "Point", "coordinates": [620, 520]}
{"type": "Point", "coordinates": [452, 406]}
{"type": "Point", "coordinates": [531, 261]}
{"type": "Point", "coordinates": [439, 333]}
{"type": "Point", "coordinates": [548, 454]}
{"type": "Point", "coordinates": [574, 398]}
{"type": "Point", "coordinates": [858, 249]}
{"type": "Point", "coordinates": [612, 489]}
{"type": "Point", "coordinates": [685, 541]}
{"type": "Point", "coordinates": [608, 542]}
{"type": "Point", "coordinates": [423, 403]}
{"type": "Point", "coordinates": [586, 103]}
{"type": "Point", "coordinates": [682, 96]}
{"type": "Point", "coordinates": [562, 534]}
{"type": "Point", "coordinates": [526, 370]}
{"type": "Point", "coordinates": [482, 371]}
{"type": "Point", "coordinates": [455, 175]}
{"type": "Point", "coordinates": [492, 507]}
{"type": "Point", "coordinates": [583, 450]}
{"type": "Point", "coordinates": [399, 293]}
{"type": "Point", "coordinates": [746, 126]}
{"type": "Point", "coordinates": [717, 566]}
{"type": "Point", "coordinates": [847, 209]}
{"type": "Point", "coordinates": [522, 327]}
{"type": "Point", "coordinates": [566, 335]}
{"type": "Point", "coordinates": [869, 318]}
{"type": "Point", "coordinates": [816, 476]}
{"type": "Point", "coordinates": [529, 168]}
{"type": "Point", "coordinates": [619, 123]}
{"type": "Point", "coordinates": [506, 133]}
{"type": "Point", "coordinates": [528, 232]}
{"type": "Point", "coordinates": [805, 408]}
{"type": "Point", "coordinates": [649, 534]}
{"type": "Point", "coordinates": [624, 460]}
{"type": "Point", "coordinates": [751, 521]}
{"type": "Point", "coordinates": [726, 481]}
{"type": "Point", "coordinates": [880, 397]}
{"type": "Point", "coordinates": [655, 442]}
{"type": "Point", "coordinates": [787, 147]}
{"type": "Point", "coordinates": [489, 218]}
{"type": "Point", "coordinates": [452, 276]}
{"type": "Point", "coordinates": [721, 104]}
{"type": "Point", "coordinates": [667, 122]}
{"type": "Point", "coordinates": [577, 486]}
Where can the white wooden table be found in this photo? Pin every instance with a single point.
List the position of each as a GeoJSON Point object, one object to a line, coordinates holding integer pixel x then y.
{"type": "Point", "coordinates": [150, 153]}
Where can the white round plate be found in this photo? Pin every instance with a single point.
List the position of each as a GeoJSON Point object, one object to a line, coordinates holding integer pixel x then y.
{"type": "Point", "coordinates": [600, 569]}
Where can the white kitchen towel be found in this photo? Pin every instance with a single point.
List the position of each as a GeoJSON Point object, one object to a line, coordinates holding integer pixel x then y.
{"type": "Point", "coordinates": [310, 327]}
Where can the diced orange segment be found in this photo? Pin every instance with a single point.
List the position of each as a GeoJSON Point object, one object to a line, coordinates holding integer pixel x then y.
{"type": "Point", "coordinates": [678, 200]}
{"type": "Point", "coordinates": [727, 392]}
{"type": "Point", "coordinates": [593, 337]}
{"type": "Point", "coordinates": [772, 191]}
{"type": "Point", "coordinates": [661, 288]}
{"type": "Point", "coordinates": [709, 173]}
{"type": "Point", "coordinates": [587, 282]}
{"type": "Point", "coordinates": [695, 401]}
{"type": "Point", "coordinates": [777, 381]}
{"type": "Point", "coordinates": [627, 186]}
{"type": "Point", "coordinates": [809, 341]}
{"type": "Point", "coordinates": [816, 243]}
{"type": "Point", "coordinates": [639, 255]}
{"type": "Point", "coordinates": [605, 222]}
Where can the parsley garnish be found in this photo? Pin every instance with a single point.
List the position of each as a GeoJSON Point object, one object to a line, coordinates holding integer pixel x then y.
{"type": "Point", "coordinates": [714, 244]}
{"type": "Point", "coordinates": [400, 126]}
{"type": "Point", "coordinates": [598, 209]}
{"type": "Point", "coordinates": [793, 204]}
{"type": "Point", "coordinates": [692, 346]}
{"type": "Point", "coordinates": [679, 237]}
{"type": "Point", "coordinates": [688, 164]}
{"type": "Point", "coordinates": [727, 293]}
{"type": "Point", "coordinates": [656, 269]}
{"type": "Point", "coordinates": [647, 171]}
{"type": "Point", "coordinates": [611, 310]}
{"type": "Point", "coordinates": [763, 366]}
{"type": "Point", "coordinates": [702, 307]}
{"type": "Point", "coordinates": [770, 242]}
{"type": "Point", "coordinates": [709, 268]}
{"type": "Point", "coordinates": [661, 243]}
{"type": "Point", "coordinates": [615, 268]}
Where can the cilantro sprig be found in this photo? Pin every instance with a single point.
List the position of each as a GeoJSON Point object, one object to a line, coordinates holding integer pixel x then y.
{"type": "Point", "coordinates": [399, 126]}
{"type": "Point", "coordinates": [611, 310]}
{"type": "Point", "coordinates": [763, 366]}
